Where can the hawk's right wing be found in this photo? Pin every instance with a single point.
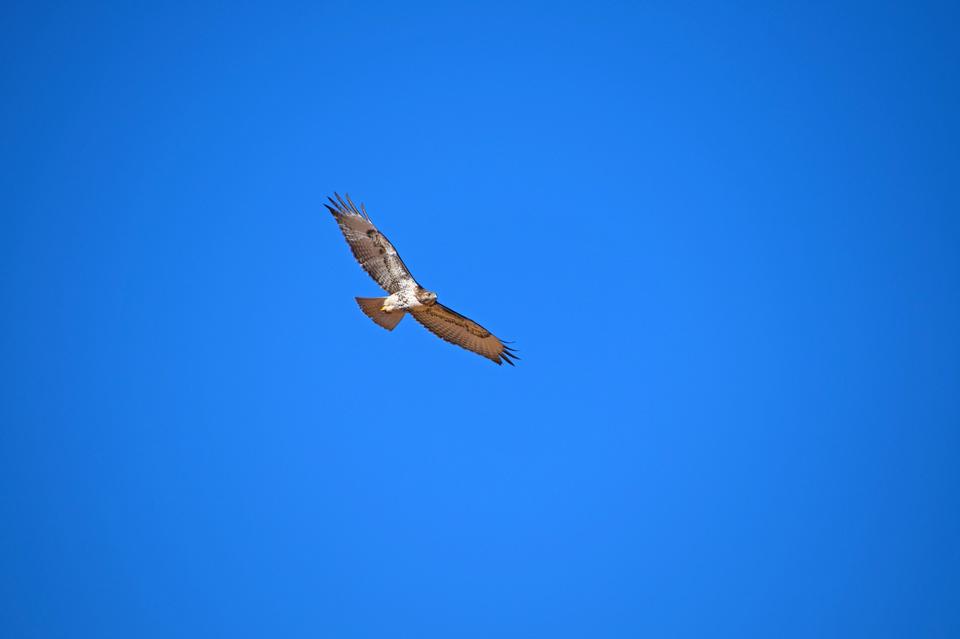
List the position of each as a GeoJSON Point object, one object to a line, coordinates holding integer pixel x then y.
{"type": "Point", "coordinates": [371, 248]}
{"type": "Point", "coordinates": [449, 325]}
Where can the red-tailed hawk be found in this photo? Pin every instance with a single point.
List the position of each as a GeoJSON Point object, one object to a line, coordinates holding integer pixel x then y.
{"type": "Point", "coordinates": [378, 258]}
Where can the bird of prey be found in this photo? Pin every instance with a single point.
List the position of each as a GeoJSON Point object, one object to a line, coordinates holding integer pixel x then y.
{"type": "Point", "coordinates": [378, 258]}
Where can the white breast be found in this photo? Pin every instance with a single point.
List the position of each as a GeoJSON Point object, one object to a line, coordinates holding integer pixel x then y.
{"type": "Point", "coordinates": [404, 299]}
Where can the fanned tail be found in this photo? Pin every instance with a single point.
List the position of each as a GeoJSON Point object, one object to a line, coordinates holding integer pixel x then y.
{"type": "Point", "coordinates": [371, 308]}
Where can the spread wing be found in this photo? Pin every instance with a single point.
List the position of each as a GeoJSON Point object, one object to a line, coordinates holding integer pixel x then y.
{"type": "Point", "coordinates": [371, 247]}
{"type": "Point", "coordinates": [457, 329]}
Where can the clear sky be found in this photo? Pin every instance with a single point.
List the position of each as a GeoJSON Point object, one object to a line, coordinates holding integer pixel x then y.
{"type": "Point", "coordinates": [724, 237]}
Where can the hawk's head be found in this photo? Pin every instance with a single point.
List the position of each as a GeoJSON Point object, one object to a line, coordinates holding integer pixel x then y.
{"type": "Point", "coordinates": [425, 297]}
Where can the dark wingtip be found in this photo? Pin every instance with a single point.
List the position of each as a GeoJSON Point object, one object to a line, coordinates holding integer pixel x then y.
{"type": "Point", "coordinates": [508, 356]}
{"type": "Point", "coordinates": [353, 206]}
{"type": "Point", "coordinates": [345, 206]}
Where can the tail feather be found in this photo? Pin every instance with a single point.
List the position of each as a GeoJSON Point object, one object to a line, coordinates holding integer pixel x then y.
{"type": "Point", "coordinates": [371, 308]}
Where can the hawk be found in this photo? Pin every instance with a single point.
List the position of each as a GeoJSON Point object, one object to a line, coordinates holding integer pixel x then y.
{"type": "Point", "coordinates": [378, 258]}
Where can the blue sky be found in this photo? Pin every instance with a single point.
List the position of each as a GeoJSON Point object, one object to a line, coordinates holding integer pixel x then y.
{"type": "Point", "coordinates": [723, 236]}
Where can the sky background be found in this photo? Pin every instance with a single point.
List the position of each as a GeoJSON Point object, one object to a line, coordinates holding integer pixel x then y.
{"type": "Point", "coordinates": [724, 237]}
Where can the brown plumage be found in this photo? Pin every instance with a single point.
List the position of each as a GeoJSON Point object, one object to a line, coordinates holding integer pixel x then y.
{"type": "Point", "coordinates": [381, 261]}
{"type": "Point", "coordinates": [453, 327]}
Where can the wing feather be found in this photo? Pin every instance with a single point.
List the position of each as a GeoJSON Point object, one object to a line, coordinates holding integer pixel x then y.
{"type": "Point", "coordinates": [453, 327]}
{"type": "Point", "coordinates": [372, 249]}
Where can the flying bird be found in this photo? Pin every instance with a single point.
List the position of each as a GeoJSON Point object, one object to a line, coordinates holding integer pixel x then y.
{"type": "Point", "coordinates": [380, 260]}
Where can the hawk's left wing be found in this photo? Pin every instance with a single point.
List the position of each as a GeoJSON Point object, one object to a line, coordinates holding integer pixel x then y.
{"type": "Point", "coordinates": [457, 329]}
{"type": "Point", "coordinates": [371, 247]}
